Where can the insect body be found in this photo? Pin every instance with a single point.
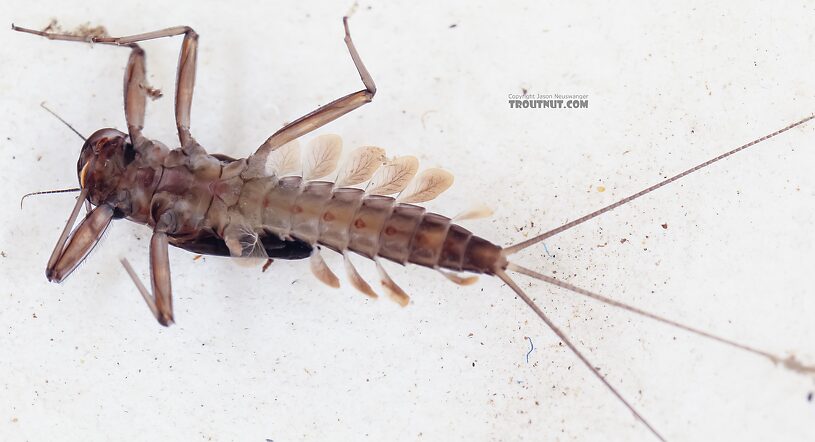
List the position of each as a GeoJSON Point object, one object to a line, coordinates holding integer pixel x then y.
{"type": "Point", "coordinates": [217, 205]}
{"type": "Point", "coordinates": [253, 207]}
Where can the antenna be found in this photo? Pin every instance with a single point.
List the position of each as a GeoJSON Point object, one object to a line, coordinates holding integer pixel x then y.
{"type": "Point", "coordinates": [45, 192]}
{"type": "Point", "coordinates": [42, 105]}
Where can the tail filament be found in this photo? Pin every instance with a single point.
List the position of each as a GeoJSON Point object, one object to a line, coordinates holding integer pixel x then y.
{"type": "Point", "coordinates": [503, 265]}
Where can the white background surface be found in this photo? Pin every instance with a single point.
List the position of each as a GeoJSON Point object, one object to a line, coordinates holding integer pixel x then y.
{"type": "Point", "coordinates": [279, 356]}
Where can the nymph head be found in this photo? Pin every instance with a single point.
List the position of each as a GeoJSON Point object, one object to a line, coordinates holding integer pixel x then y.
{"type": "Point", "coordinates": [102, 160]}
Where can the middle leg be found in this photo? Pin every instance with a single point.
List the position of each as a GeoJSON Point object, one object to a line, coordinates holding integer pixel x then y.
{"type": "Point", "coordinates": [185, 80]}
{"type": "Point", "coordinates": [134, 76]}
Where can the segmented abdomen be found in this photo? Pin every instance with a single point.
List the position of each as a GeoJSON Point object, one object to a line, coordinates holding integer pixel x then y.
{"type": "Point", "coordinates": [371, 225]}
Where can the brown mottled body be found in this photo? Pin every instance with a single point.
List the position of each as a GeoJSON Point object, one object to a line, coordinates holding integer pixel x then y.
{"type": "Point", "coordinates": [199, 198]}
{"type": "Point", "coordinates": [201, 202]}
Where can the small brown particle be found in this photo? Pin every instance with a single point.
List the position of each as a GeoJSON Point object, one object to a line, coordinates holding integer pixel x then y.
{"type": "Point", "coordinates": [88, 31]}
{"type": "Point", "coordinates": [665, 226]}
{"type": "Point", "coordinates": [153, 93]}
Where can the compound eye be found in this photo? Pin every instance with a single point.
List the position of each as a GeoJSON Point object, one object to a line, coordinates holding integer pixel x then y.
{"type": "Point", "coordinates": [82, 174]}
{"type": "Point", "coordinates": [100, 144]}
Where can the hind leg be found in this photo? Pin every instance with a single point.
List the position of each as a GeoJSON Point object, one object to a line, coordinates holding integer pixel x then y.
{"type": "Point", "coordinates": [160, 301]}
{"type": "Point", "coordinates": [319, 117]}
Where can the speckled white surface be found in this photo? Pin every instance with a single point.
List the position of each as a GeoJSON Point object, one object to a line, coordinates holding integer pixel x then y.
{"type": "Point", "coordinates": [278, 356]}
